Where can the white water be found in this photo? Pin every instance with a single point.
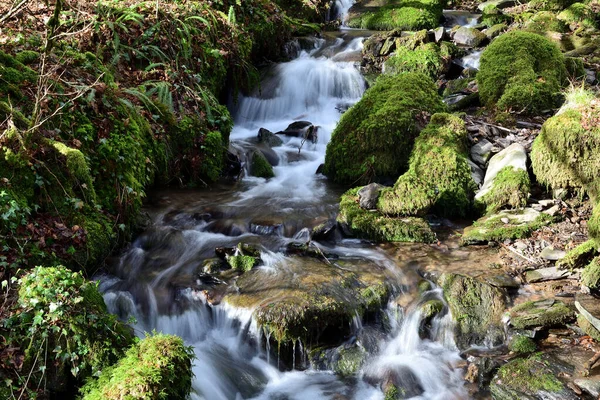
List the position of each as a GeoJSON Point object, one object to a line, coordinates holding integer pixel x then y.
{"type": "Point", "coordinates": [342, 7]}
{"type": "Point", "coordinates": [231, 364]}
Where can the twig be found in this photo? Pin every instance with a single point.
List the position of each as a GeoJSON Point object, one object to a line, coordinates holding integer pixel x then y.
{"type": "Point", "coordinates": [13, 11]}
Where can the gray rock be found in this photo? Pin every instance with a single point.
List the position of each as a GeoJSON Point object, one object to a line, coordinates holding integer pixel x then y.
{"type": "Point", "coordinates": [500, 4]}
{"type": "Point", "coordinates": [549, 274]}
{"type": "Point", "coordinates": [550, 254]}
{"type": "Point", "coordinates": [552, 210]}
{"type": "Point", "coordinates": [269, 154]}
{"type": "Point", "coordinates": [368, 196]}
{"type": "Point", "coordinates": [589, 385]}
{"type": "Point", "coordinates": [481, 152]}
{"type": "Point", "coordinates": [502, 281]}
{"type": "Point", "coordinates": [476, 173]}
{"type": "Point", "coordinates": [439, 34]}
{"type": "Point", "coordinates": [513, 156]}
{"type": "Point", "coordinates": [269, 138]}
{"type": "Point", "coordinates": [471, 37]}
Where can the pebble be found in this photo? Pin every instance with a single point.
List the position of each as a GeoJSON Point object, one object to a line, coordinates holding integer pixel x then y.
{"type": "Point", "coordinates": [505, 220]}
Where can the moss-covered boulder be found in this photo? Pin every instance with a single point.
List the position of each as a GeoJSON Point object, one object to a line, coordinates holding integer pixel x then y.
{"type": "Point", "coordinates": [580, 256]}
{"type": "Point", "coordinates": [439, 176]}
{"type": "Point", "coordinates": [506, 181]}
{"type": "Point", "coordinates": [426, 58]}
{"type": "Point", "coordinates": [566, 153]}
{"type": "Point", "coordinates": [507, 224]}
{"type": "Point", "coordinates": [590, 276]}
{"type": "Point", "coordinates": [373, 139]}
{"type": "Point", "coordinates": [540, 314]}
{"type": "Point", "coordinates": [260, 167]}
{"type": "Point", "coordinates": [521, 344]}
{"type": "Point", "coordinates": [594, 224]}
{"type": "Point", "coordinates": [157, 367]}
{"type": "Point", "coordinates": [528, 378]}
{"type": "Point", "coordinates": [579, 15]}
{"type": "Point", "coordinates": [476, 306]}
{"type": "Point", "coordinates": [373, 225]}
{"type": "Point", "coordinates": [68, 331]}
{"type": "Point", "coordinates": [522, 72]}
{"type": "Point", "coordinates": [544, 21]}
{"type": "Point", "coordinates": [400, 14]}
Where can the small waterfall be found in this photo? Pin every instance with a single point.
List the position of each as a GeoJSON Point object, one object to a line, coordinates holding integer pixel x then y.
{"type": "Point", "coordinates": [342, 7]}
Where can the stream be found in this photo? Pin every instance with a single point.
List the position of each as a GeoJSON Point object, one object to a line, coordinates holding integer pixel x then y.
{"type": "Point", "coordinates": [155, 283]}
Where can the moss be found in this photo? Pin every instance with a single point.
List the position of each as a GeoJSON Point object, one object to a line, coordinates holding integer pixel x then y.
{"type": "Point", "coordinates": [575, 67]}
{"type": "Point", "coordinates": [492, 15]}
{"type": "Point", "coordinates": [27, 57]}
{"type": "Point", "coordinates": [475, 306]}
{"type": "Point", "coordinates": [259, 166]}
{"type": "Point", "coordinates": [242, 263]}
{"type": "Point", "coordinates": [493, 229]}
{"type": "Point", "coordinates": [439, 177]}
{"type": "Point", "coordinates": [158, 367]}
{"type": "Point", "coordinates": [213, 152]}
{"type": "Point", "coordinates": [78, 167]}
{"type": "Point", "coordinates": [566, 154]}
{"type": "Point", "coordinates": [588, 328]}
{"type": "Point", "coordinates": [373, 139]}
{"type": "Point", "coordinates": [456, 86]}
{"type": "Point", "coordinates": [526, 375]}
{"type": "Point", "coordinates": [425, 58]}
{"type": "Point", "coordinates": [541, 313]}
{"type": "Point", "coordinates": [580, 15]}
{"type": "Point", "coordinates": [350, 360]}
{"type": "Point", "coordinates": [594, 224]}
{"type": "Point", "coordinates": [100, 238]}
{"type": "Point", "coordinates": [522, 345]}
{"type": "Point", "coordinates": [590, 276]}
{"type": "Point", "coordinates": [510, 188]}
{"type": "Point", "coordinates": [431, 308]}
{"type": "Point", "coordinates": [375, 226]}
{"type": "Point", "coordinates": [544, 21]}
{"type": "Point", "coordinates": [393, 393]}
{"type": "Point", "coordinates": [580, 256]}
{"type": "Point", "coordinates": [521, 71]}
{"type": "Point", "coordinates": [403, 14]}
{"type": "Point", "coordinates": [65, 323]}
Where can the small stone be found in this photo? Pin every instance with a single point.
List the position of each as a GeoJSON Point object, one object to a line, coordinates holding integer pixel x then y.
{"type": "Point", "coordinates": [439, 34]}
{"type": "Point", "coordinates": [546, 203]}
{"type": "Point", "coordinates": [505, 220]}
{"type": "Point", "coordinates": [550, 254]}
{"type": "Point", "coordinates": [552, 211]}
{"type": "Point", "coordinates": [368, 196]}
{"type": "Point", "coordinates": [481, 152]}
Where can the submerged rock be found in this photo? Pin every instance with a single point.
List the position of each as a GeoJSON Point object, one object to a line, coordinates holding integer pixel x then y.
{"type": "Point", "coordinates": [477, 308]}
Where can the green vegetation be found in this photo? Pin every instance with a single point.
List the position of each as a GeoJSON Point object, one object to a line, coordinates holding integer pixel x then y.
{"type": "Point", "coordinates": [541, 313]}
{"type": "Point", "coordinates": [580, 256]}
{"type": "Point", "coordinates": [376, 226]}
{"type": "Point", "coordinates": [510, 188]}
{"type": "Point", "coordinates": [400, 14]}
{"type": "Point", "coordinates": [259, 166]}
{"type": "Point", "coordinates": [594, 224]}
{"type": "Point", "coordinates": [242, 263]}
{"type": "Point", "coordinates": [579, 14]}
{"type": "Point", "coordinates": [544, 21]}
{"type": "Point", "coordinates": [492, 229]}
{"type": "Point", "coordinates": [522, 345]}
{"type": "Point", "coordinates": [590, 276]}
{"type": "Point", "coordinates": [439, 176]}
{"type": "Point", "coordinates": [373, 139]}
{"type": "Point", "coordinates": [521, 72]}
{"type": "Point", "coordinates": [526, 375]}
{"type": "Point", "coordinates": [62, 323]}
{"type": "Point", "coordinates": [425, 58]}
{"type": "Point", "coordinates": [159, 367]}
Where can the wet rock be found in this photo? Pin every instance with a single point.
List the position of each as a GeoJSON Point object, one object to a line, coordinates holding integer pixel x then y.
{"type": "Point", "coordinates": [502, 281]}
{"type": "Point", "coordinates": [301, 129]}
{"type": "Point", "coordinates": [269, 154]}
{"type": "Point", "coordinates": [551, 254]}
{"type": "Point", "coordinates": [470, 37]}
{"type": "Point", "coordinates": [308, 250]}
{"type": "Point", "coordinates": [260, 166]}
{"type": "Point", "coordinates": [549, 274]}
{"type": "Point", "coordinates": [481, 152]}
{"type": "Point", "coordinates": [269, 138]}
{"type": "Point", "coordinates": [214, 266]}
{"type": "Point", "coordinates": [461, 101]}
{"type": "Point", "coordinates": [520, 225]}
{"type": "Point", "coordinates": [326, 231]}
{"type": "Point", "coordinates": [401, 383]}
{"type": "Point", "coordinates": [589, 385]}
{"type": "Point", "coordinates": [477, 308]}
{"type": "Point", "coordinates": [368, 196]}
{"type": "Point", "coordinates": [529, 378]}
{"type": "Point", "coordinates": [439, 34]}
{"type": "Point", "coordinates": [540, 314]}
{"type": "Point", "coordinates": [495, 31]}
{"type": "Point", "coordinates": [499, 4]}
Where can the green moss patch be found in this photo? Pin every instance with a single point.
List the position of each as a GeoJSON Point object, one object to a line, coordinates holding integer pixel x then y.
{"type": "Point", "coordinates": [524, 377]}
{"type": "Point", "coordinates": [400, 14]}
{"type": "Point", "coordinates": [580, 15]}
{"type": "Point", "coordinates": [509, 188]}
{"type": "Point", "coordinates": [375, 226]}
{"type": "Point", "coordinates": [521, 72]}
{"type": "Point", "coordinates": [590, 276]}
{"type": "Point", "coordinates": [260, 167]}
{"type": "Point", "coordinates": [545, 21]}
{"type": "Point", "coordinates": [158, 367]}
{"type": "Point", "coordinates": [373, 139]}
{"type": "Point", "coordinates": [580, 256]}
{"type": "Point", "coordinates": [522, 345]}
{"type": "Point", "coordinates": [425, 58]}
{"type": "Point", "coordinates": [439, 177]}
{"type": "Point", "coordinates": [540, 314]}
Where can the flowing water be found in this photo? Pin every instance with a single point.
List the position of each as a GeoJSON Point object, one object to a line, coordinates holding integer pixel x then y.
{"type": "Point", "coordinates": [157, 279]}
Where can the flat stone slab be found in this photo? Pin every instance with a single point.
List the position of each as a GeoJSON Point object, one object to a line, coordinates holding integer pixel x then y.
{"type": "Point", "coordinates": [589, 385]}
{"type": "Point", "coordinates": [549, 274]}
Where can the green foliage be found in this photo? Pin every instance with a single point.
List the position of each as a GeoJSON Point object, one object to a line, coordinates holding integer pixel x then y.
{"type": "Point", "coordinates": [159, 367]}
{"type": "Point", "coordinates": [566, 154]}
{"type": "Point", "coordinates": [259, 166]}
{"type": "Point", "coordinates": [439, 177]}
{"type": "Point", "coordinates": [510, 188]}
{"type": "Point", "coordinates": [522, 345]}
{"type": "Point", "coordinates": [594, 224]}
{"type": "Point", "coordinates": [63, 326]}
{"type": "Point", "coordinates": [425, 58]}
{"type": "Point", "coordinates": [373, 139]}
{"type": "Point", "coordinates": [544, 21]}
{"type": "Point", "coordinates": [522, 72]}
{"type": "Point", "coordinates": [580, 15]}
{"type": "Point", "coordinates": [242, 263]}
{"type": "Point", "coordinates": [403, 14]}
{"type": "Point", "coordinates": [376, 226]}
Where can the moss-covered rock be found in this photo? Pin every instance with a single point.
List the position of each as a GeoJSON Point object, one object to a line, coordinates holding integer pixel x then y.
{"type": "Point", "coordinates": [157, 367]}
{"type": "Point", "coordinates": [425, 58]}
{"type": "Point", "coordinates": [590, 276]}
{"type": "Point", "coordinates": [579, 15]}
{"type": "Point", "coordinates": [67, 328]}
{"type": "Point", "coordinates": [476, 307]}
{"type": "Point", "coordinates": [587, 327]}
{"type": "Point", "coordinates": [242, 263]}
{"type": "Point", "coordinates": [594, 224]}
{"type": "Point", "coordinates": [373, 139]}
{"type": "Point", "coordinates": [260, 167]}
{"type": "Point", "coordinates": [524, 378]}
{"type": "Point", "coordinates": [509, 188]}
{"type": "Point", "coordinates": [521, 344]}
{"type": "Point", "coordinates": [492, 15]}
{"type": "Point", "coordinates": [580, 256]}
{"type": "Point", "coordinates": [516, 225]}
{"type": "Point", "coordinates": [544, 21]}
{"type": "Point", "coordinates": [540, 314]}
{"type": "Point", "coordinates": [522, 72]}
{"type": "Point", "coordinates": [566, 153]}
{"type": "Point", "coordinates": [402, 14]}
{"type": "Point", "coordinates": [439, 176]}
{"type": "Point", "coordinates": [373, 225]}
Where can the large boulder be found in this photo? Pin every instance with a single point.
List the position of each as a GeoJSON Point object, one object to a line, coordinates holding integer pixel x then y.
{"type": "Point", "coordinates": [439, 176]}
{"type": "Point", "coordinates": [373, 139]}
{"type": "Point", "coordinates": [522, 72]}
{"type": "Point", "coordinates": [506, 180]}
{"type": "Point", "coordinates": [476, 306]}
{"type": "Point", "coordinates": [566, 153]}
{"type": "Point", "coordinates": [426, 58]}
{"type": "Point", "coordinates": [403, 14]}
